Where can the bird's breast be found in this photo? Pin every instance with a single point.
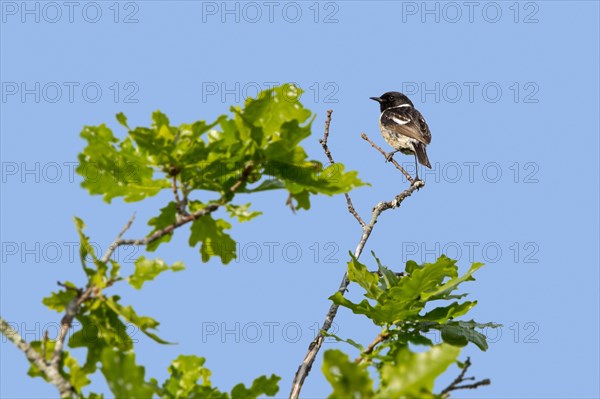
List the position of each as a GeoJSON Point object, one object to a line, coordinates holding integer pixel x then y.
{"type": "Point", "coordinates": [398, 141]}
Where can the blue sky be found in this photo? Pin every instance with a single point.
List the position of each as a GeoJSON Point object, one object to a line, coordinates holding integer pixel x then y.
{"type": "Point", "coordinates": [510, 92]}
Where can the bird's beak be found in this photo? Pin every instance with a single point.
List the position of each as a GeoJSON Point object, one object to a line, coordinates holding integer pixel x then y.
{"type": "Point", "coordinates": [376, 99]}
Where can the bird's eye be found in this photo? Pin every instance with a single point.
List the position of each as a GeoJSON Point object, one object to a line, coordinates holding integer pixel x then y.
{"type": "Point", "coordinates": [391, 98]}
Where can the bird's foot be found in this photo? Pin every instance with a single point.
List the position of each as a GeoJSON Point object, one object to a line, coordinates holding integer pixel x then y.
{"type": "Point", "coordinates": [418, 183]}
{"type": "Point", "coordinates": [389, 156]}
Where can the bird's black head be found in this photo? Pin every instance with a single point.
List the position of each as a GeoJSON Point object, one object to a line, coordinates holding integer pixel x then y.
{"type": "Point", "coordinates": [392, 99]}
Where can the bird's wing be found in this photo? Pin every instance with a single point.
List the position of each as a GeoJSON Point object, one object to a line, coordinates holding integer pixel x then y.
{"type": "Point", "coordinates": [406, 121]}
{"type": "Point", "coordinates": [423, 127]}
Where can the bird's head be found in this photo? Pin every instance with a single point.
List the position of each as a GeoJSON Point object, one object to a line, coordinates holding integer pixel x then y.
{"type": "Point", "coordinates": [392, 99]}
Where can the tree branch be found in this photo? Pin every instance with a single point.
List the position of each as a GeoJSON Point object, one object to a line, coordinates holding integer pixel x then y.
{"type": "Point", "coordinates": [52, 374]}
{"type": "Point", "coordinates": [455, 385]}
{"type": "Point", "coordinates": [169, 229]}
{"type": "Point", "coordinates": [178, 202]}
{"type": "Point", "coordinates": [52, 368]}
{"type": "Point", "coordinates": [382, 336]}
{"type": "Point", "coordinates": [323, 142]}
{"type": "Point", "coordinates": [82, 296]}
{"type": "Point", "coordinates": [393, 161]}
{"type": "Point", "coordinates": [315, 345]}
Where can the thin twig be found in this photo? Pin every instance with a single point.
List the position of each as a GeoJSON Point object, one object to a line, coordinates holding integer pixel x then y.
{"type": "Point", "coordinates": [178, 202]}
{"type": "Point", "coordinates": [382, 336]}
{"type": "Point", "coordinates": [315, 345]}
{"type": "Point", "coordinates": [54, 377]}
{"type": "Point", "coordinates": [117, 242]}
{"type": "Point", "coordinates": [455, 385]}
{"type": "Point", "coordinates": [44, 342]}
{"type": "Point", "coordinates": [169, 229]}
{"type": "Point", "coordinates": [385, 155]}
{"type": "Point", "coordinates": [323, 142]}
{"type": "Point", "coordinates": [244, 178]}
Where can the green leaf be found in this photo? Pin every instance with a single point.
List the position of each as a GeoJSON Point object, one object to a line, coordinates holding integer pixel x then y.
{"type": "Point", "coordinates": [144, 323]}
{"type": "Point", "coordinates": [116, 168]}
{"type": "Point", "coordinates": [413, 374]}
{"type": "Point", "coordinates": [122, 119]}
{"type": "Point", "coordinates": [215, 242]}
{"type": "Point", "coordinates": [85, 248]}
{"type": "Point", "coordinates": [348, 340]}
{"type": "Point", "coordinates": [60, 300]}
{"type": "Point", "coordinates": [125, 379]}
{"type": "Point", "coordinates": [274, 107]}
{"type": "Point", "coordinates": [266, 185]}
{"type": "Point", "coordinates": [443, 314]}
{"type": "Point", "coordinates": [76, 374]}
{"type": "Point", "coordinates": [348, 379]}
{"type": "Point", "coordinates": [101, 328]}
{"type": "Point", "coordinates": [358, 273]}
{"type": "Point", "coordinates": [425, 279]}
{"type": "Point", "coordinates": [148, 269]}
{"type": "Point", "coordinates": [262, 385]}
{"type": "Point", "coordinates": [411, 266]}
{"type": "Point", "coordinates": [312, 177]}
{"type": "Point", "coordinates": [460, 333]}
{"type": "Point", "coordinates": [451, 285]}
{"type": "Point", "coordinates": [388, 277]}
{"type": "Point", "coordinates": [185, 371]}
{"type": "Point", "coordinates": [241, 212]}
{"type": "Point", "coordinates": [114, 270]}
{"type": "Point", "coordinates": [167, 217]}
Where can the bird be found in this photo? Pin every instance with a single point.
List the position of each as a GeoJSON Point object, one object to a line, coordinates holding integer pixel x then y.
{"type": "Point", "coordinates": [403, 127]}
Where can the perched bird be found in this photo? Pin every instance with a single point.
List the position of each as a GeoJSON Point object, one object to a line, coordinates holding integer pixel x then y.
{"type": "Point", "coordinates": [403, 127]}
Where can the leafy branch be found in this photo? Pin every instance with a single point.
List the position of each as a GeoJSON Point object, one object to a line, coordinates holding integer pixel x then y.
{"type": "Point", "coordinates": [205, 167]}
{"type": "Point", "coordinates": [255, 149]}
{"type": "Point", "coordinates": [367, 228]}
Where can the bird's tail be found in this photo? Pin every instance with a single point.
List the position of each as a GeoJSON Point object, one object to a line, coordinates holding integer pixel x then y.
{"type": "Point", "coordinates": [422, 155]}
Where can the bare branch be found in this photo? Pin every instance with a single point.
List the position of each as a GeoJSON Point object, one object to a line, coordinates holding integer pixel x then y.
{"type": "Point", "coordinates": [385, 155]}
{"type": "Point", "coordinates": [315, 345]}
{"type": "Point", "coordinates": [54, 377]}
{"type": "Point", "coordinates": [117, 241]}
{"type": "Point", "coordinates": [455, 385]}
{"type": "Point", "coordinates": [323, 142]}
